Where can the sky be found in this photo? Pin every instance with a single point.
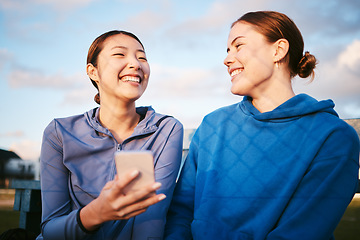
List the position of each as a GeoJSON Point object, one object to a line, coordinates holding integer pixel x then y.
{"type": "Point", "coordinates": [44, 44]}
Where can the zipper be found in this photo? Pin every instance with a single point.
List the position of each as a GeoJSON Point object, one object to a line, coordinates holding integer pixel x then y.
{"type": "Point", "coordinates": [118, 148]}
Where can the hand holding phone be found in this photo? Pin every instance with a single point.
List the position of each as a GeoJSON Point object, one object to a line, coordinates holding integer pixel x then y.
{"type": "Point", "coordinates": [143, 161]}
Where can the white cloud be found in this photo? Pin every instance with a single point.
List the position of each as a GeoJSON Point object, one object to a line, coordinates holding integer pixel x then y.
{"type": "Point", "coordinates": [350, 58]}
{"type": "Point", "coordinates": [27, 149]}
{"type": "Point", "coordinates": [81, 95]}
{"type": "Point", "coordinates": [21, 5]}
{"type": "Point", "coordinates": [145, 22]}
{"type": "Point", "coordinates": [219, 15]}
{"type": "Point", "coordinates": [5, 57]}
{"type": "Point", "coordinates": [15, 134]}
{"type": "Point", "coordinates": [338, 79]}
{"type": "Point", "coordinates": [21, 77]}
{"type": "Point", "coordinates": [170, 81]}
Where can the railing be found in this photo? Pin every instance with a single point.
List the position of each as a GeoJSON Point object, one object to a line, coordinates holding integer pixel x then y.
{"type": "Point", "coordinates": [28, 193]}
{"type": "Point", "coordinates": [28, 202]}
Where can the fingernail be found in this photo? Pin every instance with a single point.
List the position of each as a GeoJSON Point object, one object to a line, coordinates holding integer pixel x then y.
{"type": "Point", "coordinates": [134, 173]}
{"type": "Point", "coordinates": [162, 197]}
{"type": "Point", "coordinates": [156, 185]}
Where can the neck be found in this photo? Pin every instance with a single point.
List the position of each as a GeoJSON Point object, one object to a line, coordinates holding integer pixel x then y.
{"type": "Point", "coordinates": [120, 119]}
{"type": "Point", "coordinates": [274, 94]}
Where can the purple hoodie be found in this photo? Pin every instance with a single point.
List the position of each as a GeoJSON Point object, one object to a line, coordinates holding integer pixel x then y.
{"type": "Point", "coordinates": [77, 160]}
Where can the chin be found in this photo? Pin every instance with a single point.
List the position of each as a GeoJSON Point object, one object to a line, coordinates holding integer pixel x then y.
{"type": "Point", "coordinates": [237, 92]}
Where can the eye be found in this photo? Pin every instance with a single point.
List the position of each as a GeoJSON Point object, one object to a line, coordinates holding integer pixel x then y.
{"type": "Point", "coordinates": [143, 58]}
{"type": "Point", "coordinates": [238, 45]}
{"type": "Point", "coordinates": [118, 54]}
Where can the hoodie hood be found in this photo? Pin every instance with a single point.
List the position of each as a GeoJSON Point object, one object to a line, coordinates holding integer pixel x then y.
{"type": "Point", "coordinates": [294, 108]}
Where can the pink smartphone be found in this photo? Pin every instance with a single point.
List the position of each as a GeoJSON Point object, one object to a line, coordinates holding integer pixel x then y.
{"type": "Point", "coordinates": [143, 161]}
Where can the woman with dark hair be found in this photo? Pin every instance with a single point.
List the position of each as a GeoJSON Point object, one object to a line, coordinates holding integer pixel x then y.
{"type": "Point", "coordinates": [274, 166]}
{"type": "Point", "coordinates": [82, 195]}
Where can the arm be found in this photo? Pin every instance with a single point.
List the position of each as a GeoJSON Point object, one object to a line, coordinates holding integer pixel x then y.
{"type": "Point", "coordinates": [167, 164]}
{"type": "Point", "coordinates": [57, 214]}
{"type": "Point", "coordinates": [324, 192]}
{"type": "Point", "coordinates": [181, 212]}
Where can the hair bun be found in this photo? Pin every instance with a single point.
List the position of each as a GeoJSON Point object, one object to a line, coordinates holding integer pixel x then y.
{"type": "Point", "coordinates": [97, 98]}
{"type": "Point", "coordinates": [307, 65]}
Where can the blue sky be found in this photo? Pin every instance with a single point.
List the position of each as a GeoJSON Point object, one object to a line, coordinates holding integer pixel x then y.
{"type": "Point", "coordinates": [44, 43]}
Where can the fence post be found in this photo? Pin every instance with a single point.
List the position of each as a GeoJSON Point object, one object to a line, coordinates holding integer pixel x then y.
{"type": "Point", "coordinates": [28, 202]}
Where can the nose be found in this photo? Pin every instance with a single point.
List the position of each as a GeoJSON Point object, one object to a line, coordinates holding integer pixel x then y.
{"type": "Point", "coordinates": [229, 59]}
{"type": "Point", "coordinates": [134, 63]}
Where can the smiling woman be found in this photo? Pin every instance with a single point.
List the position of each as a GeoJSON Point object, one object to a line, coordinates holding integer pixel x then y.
{"type": "Point", "coordinates": [275, 165]}
{"type": "Point", "coordinates": [82, 195]}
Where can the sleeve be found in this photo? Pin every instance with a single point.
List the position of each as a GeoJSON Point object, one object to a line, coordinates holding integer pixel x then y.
{"type": "Point", "coordinates": [152, 222]}
{"type": "Point", "coordinates": [181, 212]}
{"type": "Point", "coordinates": [58, 218]}
{"type": "Point", "coordinates": [325, 191]}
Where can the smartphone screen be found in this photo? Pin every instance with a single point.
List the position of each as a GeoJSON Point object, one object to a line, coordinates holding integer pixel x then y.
{"type": "Point", "coordinates": [143, 161]}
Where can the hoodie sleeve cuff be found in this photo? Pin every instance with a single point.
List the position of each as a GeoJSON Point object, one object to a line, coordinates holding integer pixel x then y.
{"type": "Point", "coordinates": [78, 220]}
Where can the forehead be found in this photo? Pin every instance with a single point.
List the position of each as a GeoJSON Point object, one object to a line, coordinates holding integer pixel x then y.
{"type": "Point", "coordinates": [241, 30]}
{"type": "Point", "coordinates": [123, 41]}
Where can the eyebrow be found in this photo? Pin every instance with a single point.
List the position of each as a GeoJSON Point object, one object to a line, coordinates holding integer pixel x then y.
{"type": "Point", "coordinates": [232, 42]}
{"type": "Point", "coordinates": [122, 47]}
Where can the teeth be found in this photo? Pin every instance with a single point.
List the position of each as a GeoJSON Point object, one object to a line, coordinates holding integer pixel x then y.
{"type": "Point", "coordinates": [237, 71]}
{"type": "Point", "coordinates": [130, 79]}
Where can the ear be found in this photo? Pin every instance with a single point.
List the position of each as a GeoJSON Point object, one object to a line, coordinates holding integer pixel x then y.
{"type": "Point", "coordinates": [92, 72]}
{"type": "Point", "coordinates": [281, 49]}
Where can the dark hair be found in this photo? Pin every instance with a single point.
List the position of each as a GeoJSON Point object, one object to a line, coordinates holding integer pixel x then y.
{"type": "Point", "coordinates": [275, 26]}
{"type": "Point", "coordinates": [97, 46]}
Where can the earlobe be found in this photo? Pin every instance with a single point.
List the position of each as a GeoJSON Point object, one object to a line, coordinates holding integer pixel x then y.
{"type": "Point", "coordinates": [91, 72]}
{"type": "Point", "coordinates": [282, 48]}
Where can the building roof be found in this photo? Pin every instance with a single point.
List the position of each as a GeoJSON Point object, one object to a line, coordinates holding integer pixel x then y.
{"type": "Point", "coordinates": [6, 155]}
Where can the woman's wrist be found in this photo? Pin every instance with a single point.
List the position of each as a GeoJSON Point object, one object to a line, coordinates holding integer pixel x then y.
{"type": "Point", "coordinates": [88, 219]}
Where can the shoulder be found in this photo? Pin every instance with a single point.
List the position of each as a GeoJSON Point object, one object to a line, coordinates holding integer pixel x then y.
{"type": "Point", "coordinates": [335, 124]}
{"type": "Point", "coordinates": [340, 139]}
{"type": "Point", "coordinates": [160, 119]}
{"type": "Point", "coordinates": [222, 113]}
{"type": "Point", "coordinates": [64, 123]}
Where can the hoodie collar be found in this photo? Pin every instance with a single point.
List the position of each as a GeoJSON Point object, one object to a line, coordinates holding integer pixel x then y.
{"type": "Point", "coordinates": [145, 126]}
{"type": "Point", "coordinates": [294, 108]}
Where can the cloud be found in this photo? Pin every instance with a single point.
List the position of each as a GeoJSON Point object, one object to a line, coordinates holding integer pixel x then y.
{"type": "Point", "coordinates": [25, 77]}
{"type": "Point", "coordinates": [22, 18]}
{"type": "Point", "coordinates": [338, 79]}
{"type": "Point", "coordinates": [80, 96]}
{"type": "Point", "coordinates": [350, 58]}
{"type": "Point", "coordinates": [333, 19]}
{"type": "Point", "coordinates": [145, 22]}
{"type": "Point", "coordinates": [27, 149]}
{"type": "Point", "coordinates": [5, 58]}
{"type": "Point", "coordinates": [186, 82]}
{"type": "Point", "coordinates": [58, 5]}
{"type": "Point", "coordinates": [15, 134]}
{"type": "Point", "coordinates": [218, 16]}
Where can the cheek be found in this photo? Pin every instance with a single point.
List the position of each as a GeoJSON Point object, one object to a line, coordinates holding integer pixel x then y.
{"type": "Point", "coordinates": [146, 70]}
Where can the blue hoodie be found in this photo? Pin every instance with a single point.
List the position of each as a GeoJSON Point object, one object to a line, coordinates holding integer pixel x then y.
{"type": "Point", "coordinates": [77, 160]}
{"type": "Point", "coordinates": [285, 174]}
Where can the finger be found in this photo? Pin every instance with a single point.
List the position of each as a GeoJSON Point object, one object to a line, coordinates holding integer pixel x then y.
{"type": "Point", "coordinates": [139, 207]}
{"type": "Point", "coordinates": [121, 182]}
{"type": "Point", "coordinates": [138, 195]}
{"type": "Point", "coordinates": [132, 214]}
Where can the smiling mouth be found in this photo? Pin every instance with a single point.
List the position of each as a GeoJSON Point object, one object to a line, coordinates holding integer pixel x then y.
{"type": "Point", "coordinates": [236, 72]}
{"type": "Point", "coordinates": [131, 79]}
